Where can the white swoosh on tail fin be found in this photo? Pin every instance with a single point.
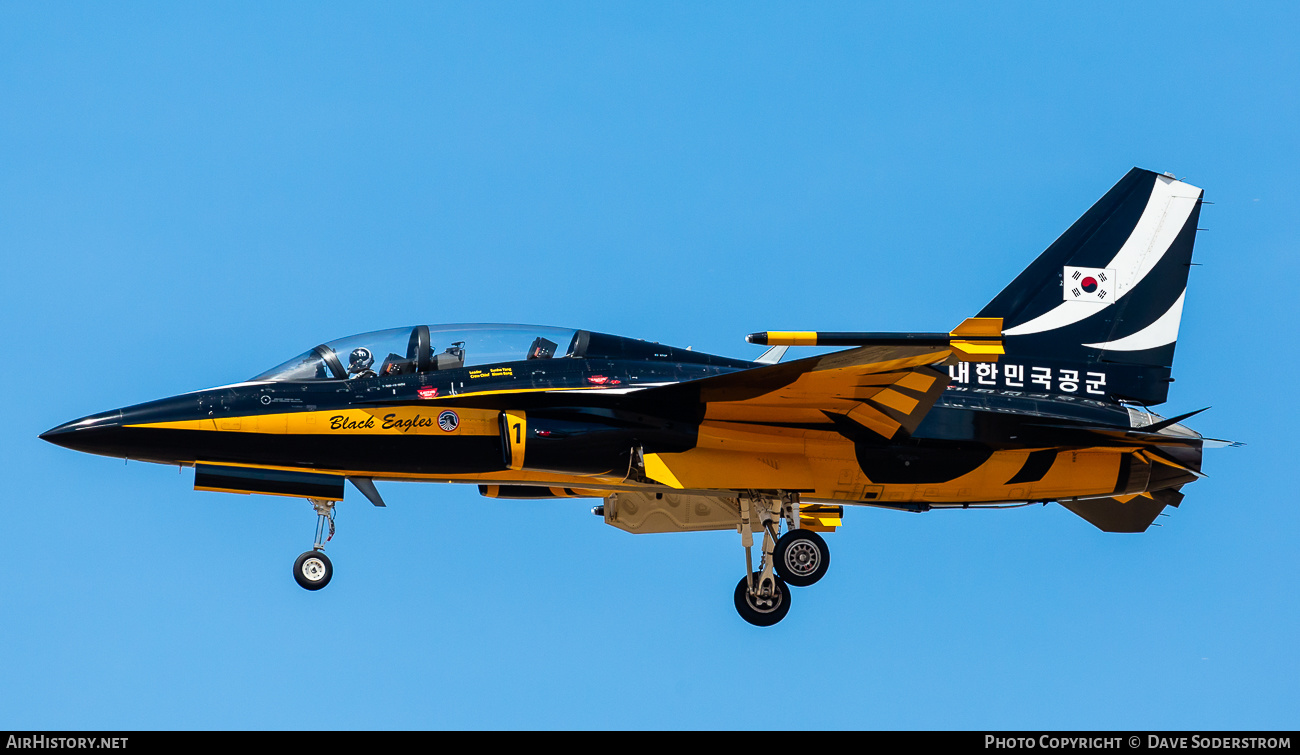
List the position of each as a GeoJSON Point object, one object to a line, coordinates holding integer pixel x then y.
{"type": "Point", "coordinates": [1167, 210]}
{"type": "Point", "coordinates": [1162, 332]}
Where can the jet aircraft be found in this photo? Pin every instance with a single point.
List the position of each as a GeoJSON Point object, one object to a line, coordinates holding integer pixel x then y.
{"type": "Point", "coordinates": [1043, 396]}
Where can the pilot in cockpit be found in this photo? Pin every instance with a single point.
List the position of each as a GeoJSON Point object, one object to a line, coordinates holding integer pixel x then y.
{"type": "Point", "coordinates": [359, 364]}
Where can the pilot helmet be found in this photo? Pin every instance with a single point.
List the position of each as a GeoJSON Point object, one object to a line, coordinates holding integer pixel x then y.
{"type": "Point", "coordinates": [360, 360]}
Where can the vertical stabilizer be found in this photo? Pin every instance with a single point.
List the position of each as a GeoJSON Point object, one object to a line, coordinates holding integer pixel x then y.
{"type": "Point", "coordinates": [1106, 298]}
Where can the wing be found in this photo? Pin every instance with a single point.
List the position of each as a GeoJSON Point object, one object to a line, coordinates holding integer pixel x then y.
{"type": "Point", "coordinates": [881, 389]}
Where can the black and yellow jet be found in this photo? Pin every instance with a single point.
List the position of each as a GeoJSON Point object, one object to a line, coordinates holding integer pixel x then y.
{"type": "Point", "coordinates": [1042, 397]}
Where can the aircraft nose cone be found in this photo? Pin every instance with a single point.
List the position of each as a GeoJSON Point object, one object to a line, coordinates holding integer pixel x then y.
{"type": "Point", "coordinates": [86, 434]}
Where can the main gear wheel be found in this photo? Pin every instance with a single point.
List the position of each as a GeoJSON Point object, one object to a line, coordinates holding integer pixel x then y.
{"type": "Point", "coordinates": [801, 557]}
{"type": "Point", "coordinates": [768, 606]}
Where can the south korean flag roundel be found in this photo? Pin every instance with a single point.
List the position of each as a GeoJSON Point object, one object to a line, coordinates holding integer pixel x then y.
{"type": "Point", "coordinates": [1090, 284]}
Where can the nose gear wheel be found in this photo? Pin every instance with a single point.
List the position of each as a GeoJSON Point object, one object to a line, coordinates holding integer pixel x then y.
{"type": "Point", "coordinates": [313, 570]}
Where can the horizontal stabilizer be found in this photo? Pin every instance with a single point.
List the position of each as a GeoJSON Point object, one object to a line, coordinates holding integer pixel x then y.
{"type": "Point", "coordinates": [1127, 513]}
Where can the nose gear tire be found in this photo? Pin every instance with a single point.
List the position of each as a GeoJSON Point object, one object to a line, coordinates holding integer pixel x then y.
{"type": "Point", "coordinates": [313, 570]}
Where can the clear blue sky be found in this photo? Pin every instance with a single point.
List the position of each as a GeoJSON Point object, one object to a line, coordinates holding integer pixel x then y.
{"type": "Point", "coordinates": [192, 193]}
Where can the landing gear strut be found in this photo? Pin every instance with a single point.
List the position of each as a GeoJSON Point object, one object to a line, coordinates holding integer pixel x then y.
{"type": "Point", "coordinates": [799, 558]}
{"type": "Point", "coordinates": [313, 569]}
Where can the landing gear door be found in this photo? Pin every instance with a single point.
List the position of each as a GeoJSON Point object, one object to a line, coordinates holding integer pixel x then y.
{"type": "Point", "coordinates": [514, 434]}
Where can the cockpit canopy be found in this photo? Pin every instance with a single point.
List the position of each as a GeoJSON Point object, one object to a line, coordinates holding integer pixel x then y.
{"type": "Point", "coordinates": [425, 348]}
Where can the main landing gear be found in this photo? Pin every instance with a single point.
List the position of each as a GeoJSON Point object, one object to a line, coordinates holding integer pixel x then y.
{"type": "Point", "coordinates": [313, 569]}
{"type": "Point", "coordinates": [798, 558]}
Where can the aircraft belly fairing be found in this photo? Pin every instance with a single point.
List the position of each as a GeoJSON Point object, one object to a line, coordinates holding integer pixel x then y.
{"type": "Point", "coordinates": [1041, 398]}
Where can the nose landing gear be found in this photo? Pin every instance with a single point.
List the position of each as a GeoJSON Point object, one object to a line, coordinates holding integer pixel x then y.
{"type": "Point", "coordinates": [313, 569]}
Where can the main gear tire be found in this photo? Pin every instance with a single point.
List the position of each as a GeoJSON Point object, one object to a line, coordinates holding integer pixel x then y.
{"type": "Point", "coordinates": [762, 611]}
{"type": "Point", "coordinates": [801, 557]}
